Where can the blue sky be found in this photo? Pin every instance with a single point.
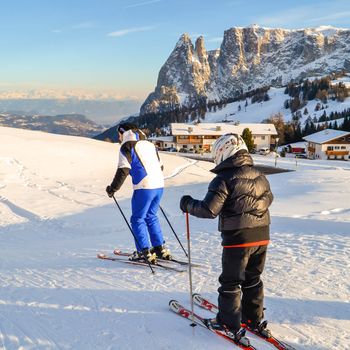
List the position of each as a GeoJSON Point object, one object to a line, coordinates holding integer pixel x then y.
{"type": "Point", "coordinates": [120, 45]}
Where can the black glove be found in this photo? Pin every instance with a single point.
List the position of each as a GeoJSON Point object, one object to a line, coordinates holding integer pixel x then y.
{"type": "Point", "coordinates": [184, 202]}
{"type": "Point", "coordinates": [110, 191]}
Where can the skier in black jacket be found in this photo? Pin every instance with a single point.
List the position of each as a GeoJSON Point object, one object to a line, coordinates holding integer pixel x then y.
{"type": "Point", "coordinates": [240, 195]}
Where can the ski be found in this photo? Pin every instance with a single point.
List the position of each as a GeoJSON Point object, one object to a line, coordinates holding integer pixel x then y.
{"type": "Point", "coordinates": [180, 310]}
{"type": "Point", "coordinates": [138, 263]}
{"type": "Point", "coordinates": [180, 262]}
{"type": "Point", "coordinates": [208, 305]}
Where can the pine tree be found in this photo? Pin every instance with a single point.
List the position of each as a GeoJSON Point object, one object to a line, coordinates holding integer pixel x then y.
{"type": "Point", "coordinates": [248, 139]}
{"type": "Point", "coordinates": [346, 124]}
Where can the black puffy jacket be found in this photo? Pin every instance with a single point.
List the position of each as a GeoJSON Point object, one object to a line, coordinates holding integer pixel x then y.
{"type": "Point", "coordinates": [240, 194]}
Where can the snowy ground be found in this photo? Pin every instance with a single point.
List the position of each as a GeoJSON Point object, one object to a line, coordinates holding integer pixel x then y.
{"type": "Point", "coordinates": [55, 218]}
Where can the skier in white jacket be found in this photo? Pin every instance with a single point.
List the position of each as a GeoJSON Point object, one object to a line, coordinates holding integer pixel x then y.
{"type": "Point", "coordinates": [139, 158]}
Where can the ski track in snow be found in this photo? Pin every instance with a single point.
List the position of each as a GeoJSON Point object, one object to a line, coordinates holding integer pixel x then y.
{"type": "Point", "coordinates": [57, 295]}
{"type": "Point", "coordinates": [180, 169]}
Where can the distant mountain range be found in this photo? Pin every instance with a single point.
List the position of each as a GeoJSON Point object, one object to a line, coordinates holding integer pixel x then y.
{"type": "Point", "coordinates": [67, 124]}
{"type": "Point", "coordinates": [101, 109]}
{"type": "Point", "coordinates": [248, 58]}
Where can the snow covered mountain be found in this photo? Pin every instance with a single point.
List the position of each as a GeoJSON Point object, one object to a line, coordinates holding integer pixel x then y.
{"type": "Point", "coordinates": [55, 217]}
{"type": "Point", "coordinates": [67, 124]}
{"type": "Point", "coordinates": [248, 58]}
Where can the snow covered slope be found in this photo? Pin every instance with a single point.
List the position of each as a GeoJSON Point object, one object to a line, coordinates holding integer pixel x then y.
{"type": "Point", "coordinates": [55, 217]}
{"type": "Point", "coordinates": [257, 112]}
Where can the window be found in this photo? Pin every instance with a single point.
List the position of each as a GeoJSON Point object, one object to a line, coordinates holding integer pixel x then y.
{"type": "Point", "coordinates": [336, 147]}
{"type": "Point", "coordinates": [263, 137]}
{"type": "Point", "coordinates": [329, 148]}
{"type": "Point", "coordinates": [343, 147]}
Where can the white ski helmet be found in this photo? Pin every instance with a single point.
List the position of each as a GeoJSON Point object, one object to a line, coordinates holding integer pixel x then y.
{"type": "Point", "coordinates": [226, 146]}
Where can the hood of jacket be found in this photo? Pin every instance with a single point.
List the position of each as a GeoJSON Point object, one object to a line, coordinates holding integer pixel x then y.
{"type": "Point", "coordinates": [241, 158]}
{"type": "Point", "coordinates": [133, 135]}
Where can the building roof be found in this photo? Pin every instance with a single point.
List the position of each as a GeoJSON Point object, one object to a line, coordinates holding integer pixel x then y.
{"type": "Point", "coordinates": [217, 129]}
{"type": "Point", "coordinates": [301, 144]}
{"type": "Point", "coordinates": [325, 136]}
{"type": "Point", "coordinates": [162, 138]}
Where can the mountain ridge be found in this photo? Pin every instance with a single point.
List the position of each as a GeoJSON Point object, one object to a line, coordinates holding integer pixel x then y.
{"type": "Point", "coordinates": [248, 58]}
{"type": "Point", "coordinates": [64, 124]}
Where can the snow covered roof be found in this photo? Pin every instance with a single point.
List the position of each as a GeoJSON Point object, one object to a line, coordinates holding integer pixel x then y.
{"type": "Point", "coordinates": [217, 129]}
{"type": "Point", "coordinates": [325, 136]}
{"type": "Point", "coordinates": [300, 144]}
{"type": "Point", "coordinates": [162, 138]}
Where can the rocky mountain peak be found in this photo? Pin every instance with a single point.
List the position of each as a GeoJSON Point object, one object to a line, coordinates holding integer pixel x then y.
{"type": "Point", "coordinates": [200, 48]}
{"type": "Point", "coordinates": [248, 57]}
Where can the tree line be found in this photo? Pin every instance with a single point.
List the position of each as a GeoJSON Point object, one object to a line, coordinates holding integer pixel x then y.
{"type": "Point", "coordinates": [322, 89]}
{"type": "Point", "coordinates": [293, 131]}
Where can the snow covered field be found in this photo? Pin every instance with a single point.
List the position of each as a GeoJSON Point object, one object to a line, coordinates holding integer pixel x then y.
{"type": "Point", "coordinates": [55, 217]}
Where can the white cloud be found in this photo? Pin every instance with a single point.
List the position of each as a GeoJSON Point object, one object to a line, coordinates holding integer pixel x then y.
{"type": "Point", "coordinates": [142, 3]}
{"type": "Point", "coordinates": [127, 31]}
{"type": "Point", "coordinates": [82, 25]}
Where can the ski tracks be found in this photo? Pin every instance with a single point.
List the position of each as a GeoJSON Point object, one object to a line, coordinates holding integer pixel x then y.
{"type": "Point", "coordinates": [37, 185]}
{"type": "Point", "coordinates": [177, 171]}
{"type": "Point", "coordinates": [28, 335]}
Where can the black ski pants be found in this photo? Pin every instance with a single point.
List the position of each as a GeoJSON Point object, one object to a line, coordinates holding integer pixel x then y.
{"type": "Point", "coordinates": [241, 293]}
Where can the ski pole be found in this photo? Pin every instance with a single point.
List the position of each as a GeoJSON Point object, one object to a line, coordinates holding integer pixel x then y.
{"type": "Point", "coordinates": [132, 232]}
{"type": "Point", "coordinates": [193, 324]}
{"type": "Point", "coordinates": [173, 231]}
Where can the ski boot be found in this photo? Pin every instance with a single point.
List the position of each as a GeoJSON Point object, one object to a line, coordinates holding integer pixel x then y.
{"type": "Point", "coordinates": [261, 328]}
{"type": "Point", "coordinates": [162, 252]}
{"type": "Point", "coordinates": [144, 255]}
{"type": "Point", "coordinates": [238, 336]}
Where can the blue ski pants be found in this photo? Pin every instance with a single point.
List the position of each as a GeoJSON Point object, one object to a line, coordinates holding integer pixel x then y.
{"type": "Point", "coordinates": [144, 220]}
